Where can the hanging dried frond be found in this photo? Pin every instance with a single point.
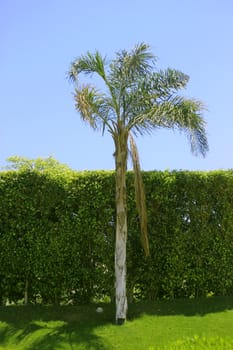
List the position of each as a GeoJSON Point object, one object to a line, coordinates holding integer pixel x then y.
{"type": "Point", "coordinates": [140, 195]}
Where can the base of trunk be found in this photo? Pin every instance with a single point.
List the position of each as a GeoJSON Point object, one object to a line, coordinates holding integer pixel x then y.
{"type": "Point", "coordinates": [120, 321]}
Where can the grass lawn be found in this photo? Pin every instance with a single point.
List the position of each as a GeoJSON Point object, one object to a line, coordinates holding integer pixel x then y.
{"type": "Point", "coordinates": [166, 325]}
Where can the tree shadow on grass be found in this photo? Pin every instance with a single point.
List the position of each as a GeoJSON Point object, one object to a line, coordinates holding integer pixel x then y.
{"type": "Point", "coordinates": [186, 307]}
{"type": "Point", "coordinates": [50, 328]}
{"type": "Point", "coordinates": [68, 327]}
{"type": "Point", "coordinates": [69, 337]}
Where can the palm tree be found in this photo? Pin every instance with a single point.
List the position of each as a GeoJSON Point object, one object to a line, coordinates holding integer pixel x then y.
{"type": "Point", "coordinates": [137, 99]}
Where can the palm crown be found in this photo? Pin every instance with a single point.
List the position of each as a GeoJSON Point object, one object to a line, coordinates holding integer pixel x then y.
{"type": "Point", "coordinates": [138, 97]}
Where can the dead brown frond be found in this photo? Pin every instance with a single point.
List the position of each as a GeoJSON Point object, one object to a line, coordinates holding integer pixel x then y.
{"type": "Point", "coordinates": [140, 195]}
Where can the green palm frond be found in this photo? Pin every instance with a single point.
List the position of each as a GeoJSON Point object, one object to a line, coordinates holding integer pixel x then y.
{"type": "Point", "coordinates": [177, 114]}
{"type": "Point", "coordinates": [88, 64]}
{"type": "Point", "coordinates": [189, 119]}
{"type": "Point", "coordinates": [129, 65]}
{"type": "Point", "coordinates": [165, 82]}
{"type": "Point", "coordinates": [139, 195]}
{"type": "Point", "coordinates": [185, 115]}
{"type": "Point", "coordinates": [149, 92]}
{"type": "Point", "coordinates": [140, 60]}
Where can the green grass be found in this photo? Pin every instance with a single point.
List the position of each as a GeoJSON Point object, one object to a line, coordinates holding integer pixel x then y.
{"type": "Point", "coordinates": [167, 325]}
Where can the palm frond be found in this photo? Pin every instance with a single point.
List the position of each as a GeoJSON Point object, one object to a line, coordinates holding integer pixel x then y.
{"type": "Point", "coordinates": [86, 104]}
{"type": "Point", "coordinates": [140, 195]}
{"type": "Point", "coordinates": [149, 92]}
{"type": "Point", "coordinates": [177, 113]}
{"type": "Point", "coordinates": [87, 64]}
{"type": "Point", "coordinates": [131, 64]}
{"type": "Point", "coordinates": [93, 107]}
{"type": "Point", "coordinates": [165, 82]}
{"type": "Point", "coordinates": [140, 60]}
{"type": "Point", "coordinates": [190, 120]}
{"type": "Point", "coordinates": [185, 115]}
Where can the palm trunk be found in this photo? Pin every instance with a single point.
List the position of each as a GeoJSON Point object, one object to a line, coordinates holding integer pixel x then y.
{"type": "Point", "coordinates": [121, 227]}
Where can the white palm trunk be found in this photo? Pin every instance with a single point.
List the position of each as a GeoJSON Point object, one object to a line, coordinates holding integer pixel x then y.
{"type": "Point", "coordinates": [121, 228]}
{"type": "Point", "coordinates": [120, 272]}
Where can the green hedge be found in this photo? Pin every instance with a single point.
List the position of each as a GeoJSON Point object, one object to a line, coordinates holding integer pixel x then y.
{"type": "Point", "coordinates": [57, 235]}
{"type": "Point", "coordinates": [191, 231]}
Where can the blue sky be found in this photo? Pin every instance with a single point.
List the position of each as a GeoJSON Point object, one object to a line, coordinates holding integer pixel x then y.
{"type": "Point", "coordinates": [39, 39]}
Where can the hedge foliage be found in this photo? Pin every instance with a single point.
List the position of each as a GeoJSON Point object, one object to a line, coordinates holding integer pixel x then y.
{"type": "Point", "coordinates": [57, 235]}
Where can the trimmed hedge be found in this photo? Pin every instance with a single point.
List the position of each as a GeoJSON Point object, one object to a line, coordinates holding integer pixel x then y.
{"type": "Point", "coordinates": [191, 231]}
{"type": "Point", "coordinates": [57, 235]}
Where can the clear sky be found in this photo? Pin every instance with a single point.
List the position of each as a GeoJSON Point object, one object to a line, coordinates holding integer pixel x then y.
{"type": "Point", "coordinates": [39, 39]}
